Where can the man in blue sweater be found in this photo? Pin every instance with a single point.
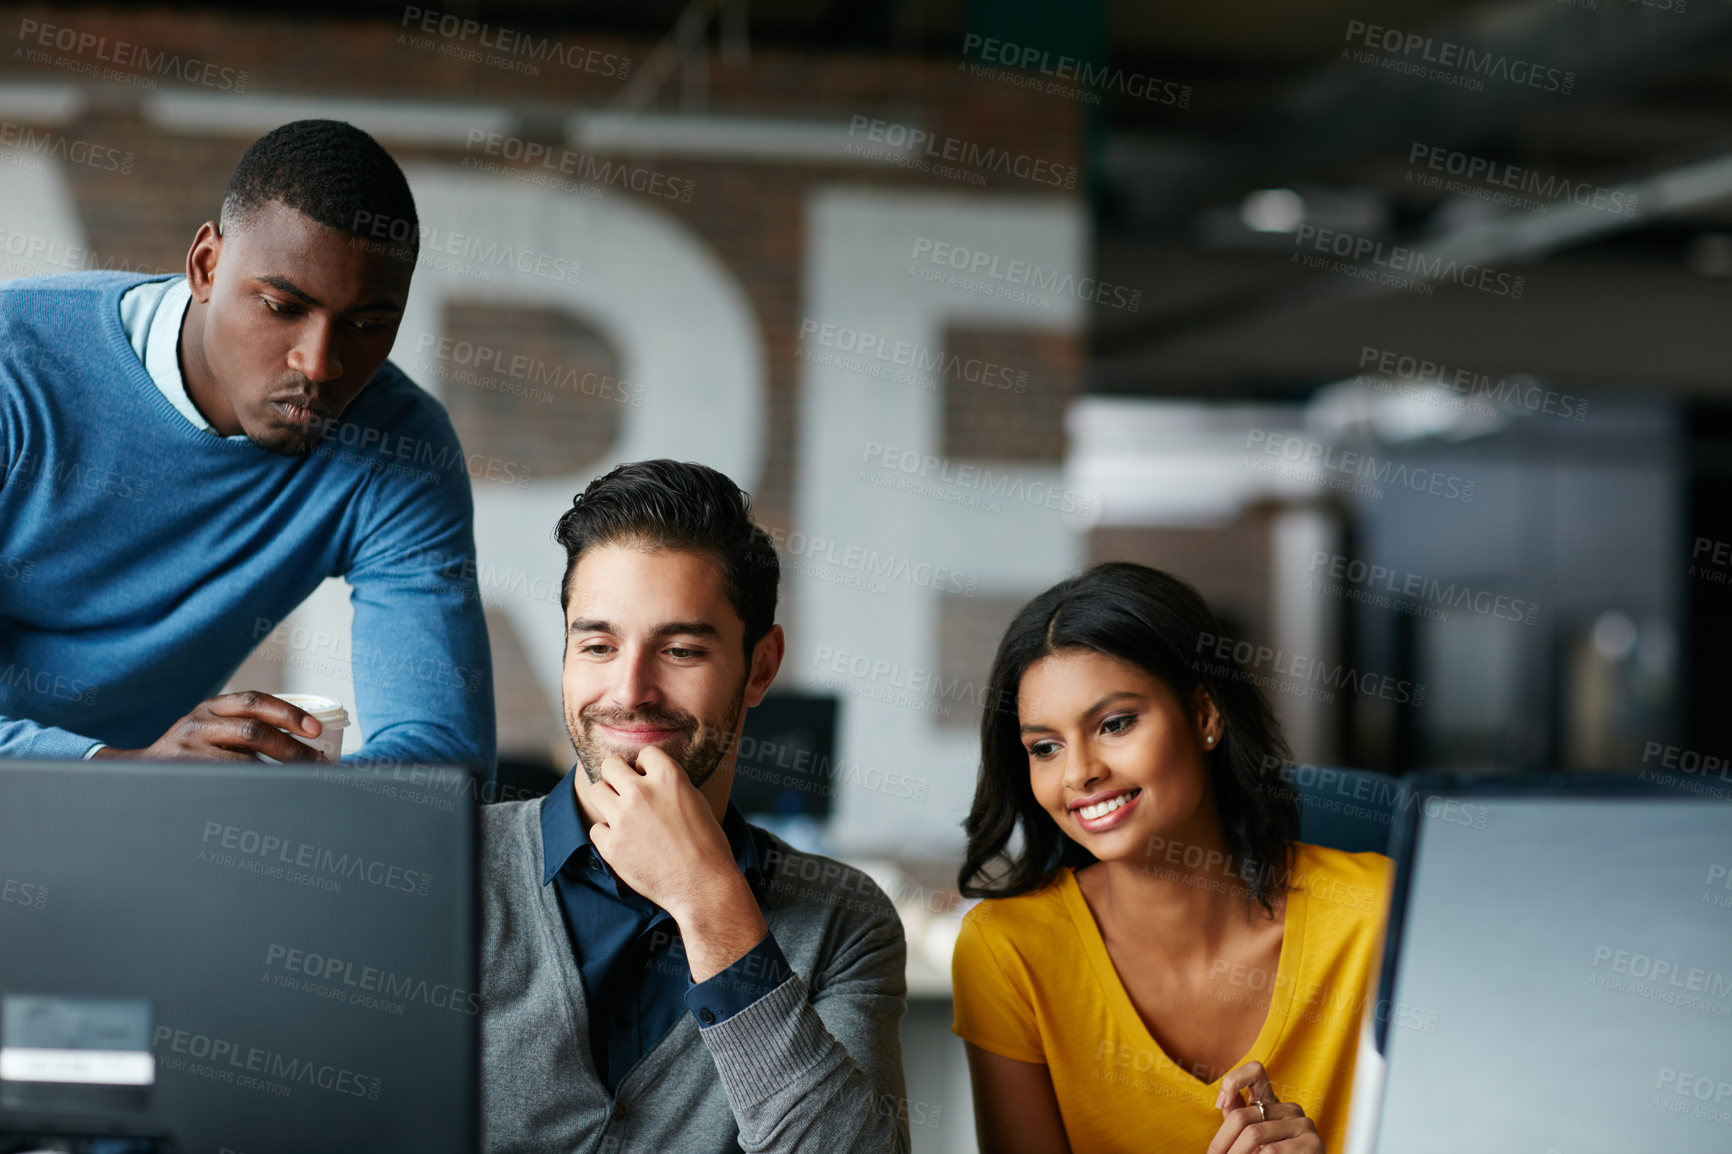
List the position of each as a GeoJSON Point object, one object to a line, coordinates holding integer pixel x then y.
{"type": "Point", "coordinates": [656, 973]}
{"type": "Point", "coordinates": [183, 460]}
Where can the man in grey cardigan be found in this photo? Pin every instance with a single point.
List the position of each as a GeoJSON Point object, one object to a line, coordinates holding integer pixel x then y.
{"type": "Point", "coordinates": [658, 975]}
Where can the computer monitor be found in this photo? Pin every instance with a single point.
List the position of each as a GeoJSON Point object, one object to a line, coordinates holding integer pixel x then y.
{"type": "Point", "coordinates": [242, 958]}
{"type": "Point", "coordinates": [784, 766]}
{"type": "Point", "coordinates": [1557, 972]}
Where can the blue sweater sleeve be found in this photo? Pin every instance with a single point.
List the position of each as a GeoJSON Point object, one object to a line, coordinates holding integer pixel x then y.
{"type": "Point", "coordinates": [20, 737]}
{"type": "Point", "coordinates": [422, 667]}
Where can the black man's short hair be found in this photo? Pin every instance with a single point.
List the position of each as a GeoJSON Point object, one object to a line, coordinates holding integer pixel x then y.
{"type": "Point", "coordinates": [331, 172]}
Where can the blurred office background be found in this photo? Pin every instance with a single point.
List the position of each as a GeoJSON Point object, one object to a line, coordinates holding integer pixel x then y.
{"type": "Point", "coordinates": [1398, 329]}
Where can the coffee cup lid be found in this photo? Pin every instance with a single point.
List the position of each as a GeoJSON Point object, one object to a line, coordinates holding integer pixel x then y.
{"type": "Point", "coordinates": [328, 710]}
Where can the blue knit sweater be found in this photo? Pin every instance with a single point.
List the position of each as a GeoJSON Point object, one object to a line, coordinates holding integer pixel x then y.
{"type": "Point", "coordinates": [142, 559]}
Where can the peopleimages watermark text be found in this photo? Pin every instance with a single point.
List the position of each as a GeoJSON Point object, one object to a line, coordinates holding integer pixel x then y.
{"type": "Point", "coordinates": [917, 148]}
{"type": "Point", "coordinates": [1072, 76]}
{"type": "Point", "coordinates": [1447, 62]}
{"type": "Point", "coordinates": [1397, 265]}
{"type": "Point", "coordinates": [1469, 389]}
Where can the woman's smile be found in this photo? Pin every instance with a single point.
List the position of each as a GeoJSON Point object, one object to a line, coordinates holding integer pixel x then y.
{"type": "Point", "coordinates": [1099, 812]}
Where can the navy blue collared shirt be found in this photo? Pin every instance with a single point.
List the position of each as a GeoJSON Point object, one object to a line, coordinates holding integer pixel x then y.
{"type": "Point", "coordinates": [635, 975]}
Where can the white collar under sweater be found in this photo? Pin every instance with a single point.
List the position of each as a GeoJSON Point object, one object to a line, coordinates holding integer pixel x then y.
{"type": "Point", "coordinates": [151, 313]}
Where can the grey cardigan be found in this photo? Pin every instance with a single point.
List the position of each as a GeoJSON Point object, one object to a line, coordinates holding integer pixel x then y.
{"type": "Point", "coordinates": [815, 1066]}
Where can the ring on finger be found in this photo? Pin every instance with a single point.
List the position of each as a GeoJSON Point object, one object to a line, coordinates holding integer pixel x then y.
{"type": "Point", "coordinates": [1261, 1109]}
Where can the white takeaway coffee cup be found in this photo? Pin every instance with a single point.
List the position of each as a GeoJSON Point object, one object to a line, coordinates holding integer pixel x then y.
{"type": "Point", "coordinates": [331, 715]}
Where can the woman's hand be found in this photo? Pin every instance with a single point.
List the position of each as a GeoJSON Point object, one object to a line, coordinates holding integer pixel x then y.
{"type": "Point", "coordinates": [1277, 1126]}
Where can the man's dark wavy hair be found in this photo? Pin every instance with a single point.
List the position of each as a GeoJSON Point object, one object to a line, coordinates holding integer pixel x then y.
{"type": "Point", "coordinates": [665, 504]}
{"type": "Point", "coordinates": [332, 172]}
{"type": "Point", "coordinates": [1161, 625]}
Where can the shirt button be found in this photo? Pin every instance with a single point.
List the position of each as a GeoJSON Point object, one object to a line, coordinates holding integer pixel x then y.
{"type": "Point", "coordinates": [707, 1016]}
{"type": "Point", "coordinates": [618, 1111]}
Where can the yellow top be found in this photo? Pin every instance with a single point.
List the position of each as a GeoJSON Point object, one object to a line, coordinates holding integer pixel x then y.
{"type": "Point", "coordinates": [1033, 981]}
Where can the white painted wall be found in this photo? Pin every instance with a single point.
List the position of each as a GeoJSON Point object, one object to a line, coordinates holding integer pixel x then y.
{"type": "Point", "coordinates": [859, 245]}
{"type": "Point", "coordinates": [40, 232]}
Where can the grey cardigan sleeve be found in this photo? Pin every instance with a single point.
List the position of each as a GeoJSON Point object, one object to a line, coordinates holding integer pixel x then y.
{"type": "Point", "coordinates": [820, 1072]}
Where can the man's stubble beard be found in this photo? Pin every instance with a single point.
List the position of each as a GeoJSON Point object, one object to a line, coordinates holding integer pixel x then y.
{"type": "Point", "coordinates": [281, 440]}
{"type": "Point", "coordinates": [700, 759]}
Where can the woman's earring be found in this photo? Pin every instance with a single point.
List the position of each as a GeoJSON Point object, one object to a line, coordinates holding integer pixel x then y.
{"type": "Point", "coordinates": [1209, 740]}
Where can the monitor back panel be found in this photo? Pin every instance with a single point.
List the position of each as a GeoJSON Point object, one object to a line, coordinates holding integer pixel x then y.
{"type": "Point", "coordinates": [1564, 979]}
{"type": "Point", "coordinates": [304, 943]}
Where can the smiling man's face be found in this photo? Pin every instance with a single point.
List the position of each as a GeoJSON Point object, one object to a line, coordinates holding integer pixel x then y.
{"type": "Point", "coordinates": [654, 656]}
{"type": "Point", "coordinates": [290, 320]}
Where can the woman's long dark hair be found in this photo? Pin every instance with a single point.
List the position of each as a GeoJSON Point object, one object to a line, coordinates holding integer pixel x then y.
{"type": "Point", "coordinates": [1160, 624]}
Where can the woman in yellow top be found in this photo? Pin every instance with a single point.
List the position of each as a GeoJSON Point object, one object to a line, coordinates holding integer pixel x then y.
{"type": "Point", "coordinates": [1156, 943]}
